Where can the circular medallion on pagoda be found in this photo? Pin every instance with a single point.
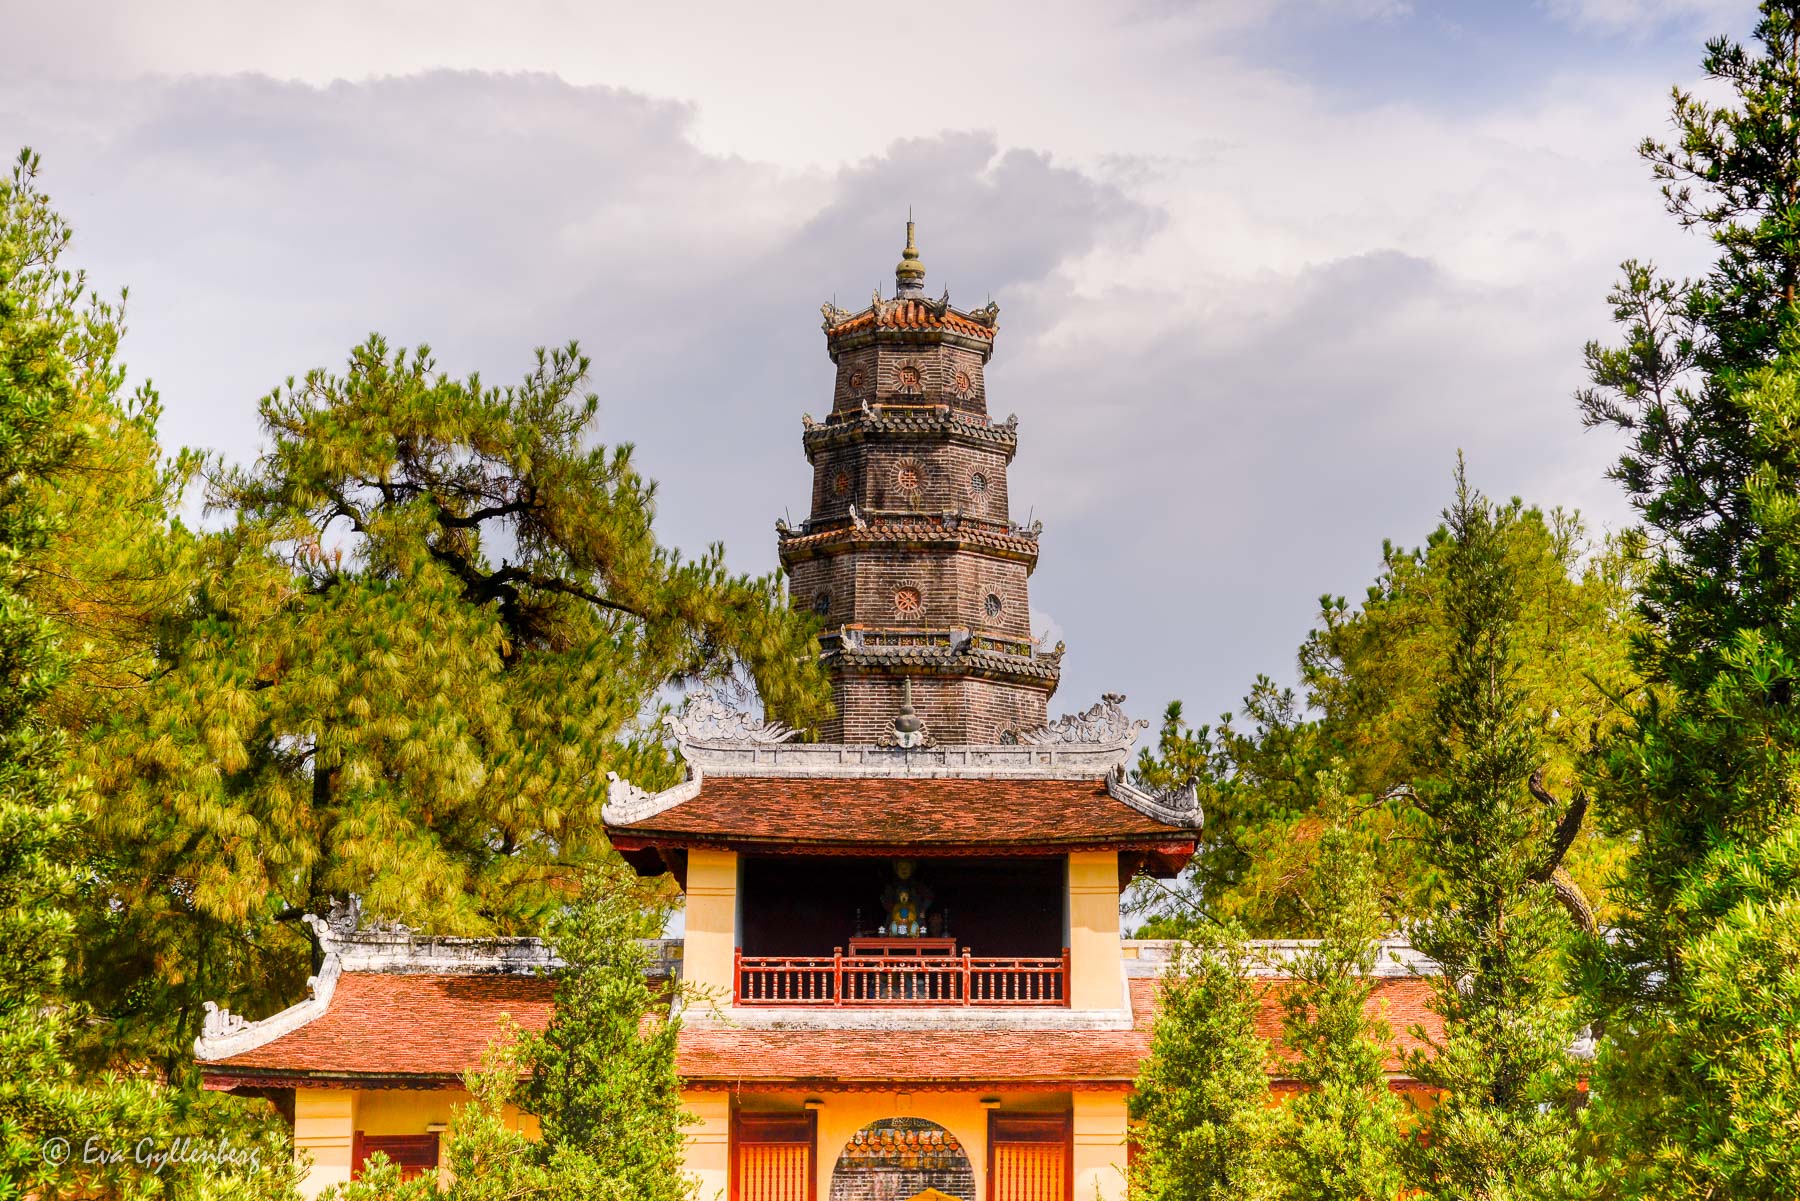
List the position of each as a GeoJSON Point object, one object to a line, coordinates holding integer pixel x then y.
{"type": "Point", "coordinates": [978, 486]}
{"type": "Point", "coordinates": [963, 386]}
{"type": "Point", "coordinates": [992, 605]}
{"type": "Point", "coordinates": [908, 602]}
{"type": "Point", "coordinates": [840, 483]}
{"type": "Point", "coordinates": [822, 603]}
{"type": "Point", "coordinates": [858, 377]}
{"type": "Point", "coordinates": [908, 378]}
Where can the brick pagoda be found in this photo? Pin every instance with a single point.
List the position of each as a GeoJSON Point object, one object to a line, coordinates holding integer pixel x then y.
{"type": "Point", "coordinates": [910, 552]}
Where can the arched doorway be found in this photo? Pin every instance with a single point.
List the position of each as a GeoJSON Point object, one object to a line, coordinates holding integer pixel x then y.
{"type": "Point", "coordinates": [897, 1158]}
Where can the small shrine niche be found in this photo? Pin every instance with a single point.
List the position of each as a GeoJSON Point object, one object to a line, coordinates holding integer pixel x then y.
{"type": "Point", "coordinates": [906, 902]}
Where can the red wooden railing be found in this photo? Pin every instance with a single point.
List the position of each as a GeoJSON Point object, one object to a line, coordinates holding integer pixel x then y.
{"type": "Point", "coordinates": [891, 980]}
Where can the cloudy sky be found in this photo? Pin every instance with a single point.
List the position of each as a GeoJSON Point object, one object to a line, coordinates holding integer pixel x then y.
{"type": "Point", "coordinates": [1263, 265]}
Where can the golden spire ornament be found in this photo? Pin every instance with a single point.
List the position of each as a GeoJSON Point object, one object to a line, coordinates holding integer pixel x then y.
{"type": "Point", "coordinates": [909, 275]}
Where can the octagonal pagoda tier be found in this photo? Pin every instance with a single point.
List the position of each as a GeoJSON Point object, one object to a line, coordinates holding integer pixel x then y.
{"type": "Point", "coordinates": [909, 552]}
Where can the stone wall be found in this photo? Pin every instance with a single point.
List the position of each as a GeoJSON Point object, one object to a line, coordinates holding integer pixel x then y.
{"type": "Point", "coordinates": [951, 587]}
{"type": "Point", "coordinates": [910, 475]}
{"type": "Point", "coordinates": [954, 709]}
{"type": "Point", "coordinates": [904, 373]}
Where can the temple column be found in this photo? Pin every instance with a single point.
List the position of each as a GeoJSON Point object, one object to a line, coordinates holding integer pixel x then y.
{"type": "Point", "coordinates": [324, 1127]}
{"type": "Point", "coordinates": [708, 952]}
{"type": "Point", "coordinates": [1099, 1146]}
{"type": "Point", "coordinates": [708, 1144]}
{"type": "Point", "coordinates": [1095, 964]}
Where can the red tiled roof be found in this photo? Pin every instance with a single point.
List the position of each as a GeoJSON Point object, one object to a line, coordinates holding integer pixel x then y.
{"type": "Point", "coordinates": [941, 1056]}
{"type": "Point", "coordinates": [926, 813]}
{"type": "Point", "coordinates": [437, 1027]}
{"type": "Point", "coordinates": [911, 314]}
{"type": "Point", "coordinates": [1092, 1057]}
{"type": "Point", "coordinates": [410, 1025]}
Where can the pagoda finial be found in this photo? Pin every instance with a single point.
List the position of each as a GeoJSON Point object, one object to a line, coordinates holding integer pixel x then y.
{"type": "Point", "coordinates": [908, 729]}
{"type": "Point", "coordinates": [909, 275]}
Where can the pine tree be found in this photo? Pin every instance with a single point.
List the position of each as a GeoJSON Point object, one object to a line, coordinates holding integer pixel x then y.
{"type": "Point", "coordinates": [439, 618]}
{"type": "Point", "coordinates": [49, 439]}
{"type": "Point", "coordinates": [1339, 1139]}
{"type": "Point", "coordinates": [1202, 1092]}
{"type": "Point", "coordinates": [1369, 675]}
{"type": "Point", "coordinates": [1502, 1124]}
{"type": "Point", "coordinates": [1697, 1093]}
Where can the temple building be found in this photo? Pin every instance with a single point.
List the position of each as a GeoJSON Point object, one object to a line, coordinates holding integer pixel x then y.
{"type": "Point", "coordinates": [905, 936]}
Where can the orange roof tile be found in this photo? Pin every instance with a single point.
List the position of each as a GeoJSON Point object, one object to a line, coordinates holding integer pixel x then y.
{"type": "Point", "coordinates": [925, 813]}
{"type": "Point", "coordinates": [911, 314]}
{"type": "Point", "coordinates": [432, 1028]}
{"type": "Point", "coordinates": [410, 1025]}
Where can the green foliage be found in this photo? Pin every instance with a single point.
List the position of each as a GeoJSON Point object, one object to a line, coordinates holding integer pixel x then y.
{"type": "Point", "coordinates": [601, 1081]}
{"type": "Point", "coordinates": [439, 618]}
{"type": "Point", "coordinates": [1203, 1092]}
{"type": "Point", "coordinates": [603, 1077]}
{"type": "Point", "coordinates": [1697, 1092]}
{"type": "Point", "coordinates": [55, 406]}
{"type": "Point", "coordinates": [1370, 676]}
{"type": "Point", "coordinates": [1502, 1125]}
{"type": "Point", "coordinates": [1339, 1139]}
{"type": "Point", "coordinates": [489, 1158]}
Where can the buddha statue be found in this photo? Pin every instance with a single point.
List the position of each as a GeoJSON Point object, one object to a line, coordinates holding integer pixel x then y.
{"type": "Point", "coordinates": [906, 900]}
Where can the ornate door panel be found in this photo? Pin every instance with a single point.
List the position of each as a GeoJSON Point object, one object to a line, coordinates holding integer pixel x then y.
{"type": "Point", "coordinates": [774, 1157]}
{"type": "Point", "coordinates": [1029, 1157]}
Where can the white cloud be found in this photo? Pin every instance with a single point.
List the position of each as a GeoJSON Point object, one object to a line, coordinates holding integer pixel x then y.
{"type": "Point", "coordinates": [1642, 17]}
{"type": "Point", "coordinates": [1245, 326]}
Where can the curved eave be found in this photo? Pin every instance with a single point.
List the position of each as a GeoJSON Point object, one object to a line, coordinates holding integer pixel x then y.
{"type": "Point", "coordinates": [882, 424]}
{"type": "Point", "coordinates": [1043, 672]}
{"type": "Point", "coordinates": [986, 542]}
{"type": "Point", "coordinates": [651, 853]}
{"type": "Point", "coordinates": [219, 1079]}
{"type": "Point", "coordinates": [854, 339]}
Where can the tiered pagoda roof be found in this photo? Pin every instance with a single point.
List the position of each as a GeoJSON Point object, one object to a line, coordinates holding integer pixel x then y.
{"type": "Point", "coordinates": [752, 787]}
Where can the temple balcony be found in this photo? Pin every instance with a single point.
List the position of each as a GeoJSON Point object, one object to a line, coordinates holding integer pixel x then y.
{"type": "Point", "coordinates": [902, 972]}
{"type": "Point", "coordinates": [820, 931]}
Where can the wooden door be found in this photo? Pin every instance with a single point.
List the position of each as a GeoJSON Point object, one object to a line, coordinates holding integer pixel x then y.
{"type": "Point", "coordinates": [774, 1156]}
{"type": "Point", "coordinates": [1030, 1157]}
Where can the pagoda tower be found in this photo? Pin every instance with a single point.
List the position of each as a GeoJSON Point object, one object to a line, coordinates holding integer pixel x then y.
{"type": "Point", "coordinates": [910, 553]}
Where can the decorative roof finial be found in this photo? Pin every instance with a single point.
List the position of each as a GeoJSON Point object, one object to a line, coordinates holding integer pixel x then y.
{"type": "Point", "coordinates": [908, 729]}
{"type": "Point", "coordinates": [909, 275]}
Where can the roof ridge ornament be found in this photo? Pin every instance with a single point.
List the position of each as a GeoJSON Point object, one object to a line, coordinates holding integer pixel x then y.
{"type": "Point", "coordinates": [1171, 806]}
{"type": "Point", "coordinates": [707, 718]}
{"type": "Point", "coordinates": [1105, 723]}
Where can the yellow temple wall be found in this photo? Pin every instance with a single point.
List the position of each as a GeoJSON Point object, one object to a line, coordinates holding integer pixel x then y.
{"type": "Point", "coordinates": [708, 1152]}
{"type": "Point", "coordinates": [1095, 955]}
{"type": "Point", "coordinates": [707, 954]}
{"type": "Point", "coordinates": [1099, 1150]}
{"type": "Point", "coordinates": [327, 1119]}
{"type": "Point", "coordinates": [324, 1122]}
